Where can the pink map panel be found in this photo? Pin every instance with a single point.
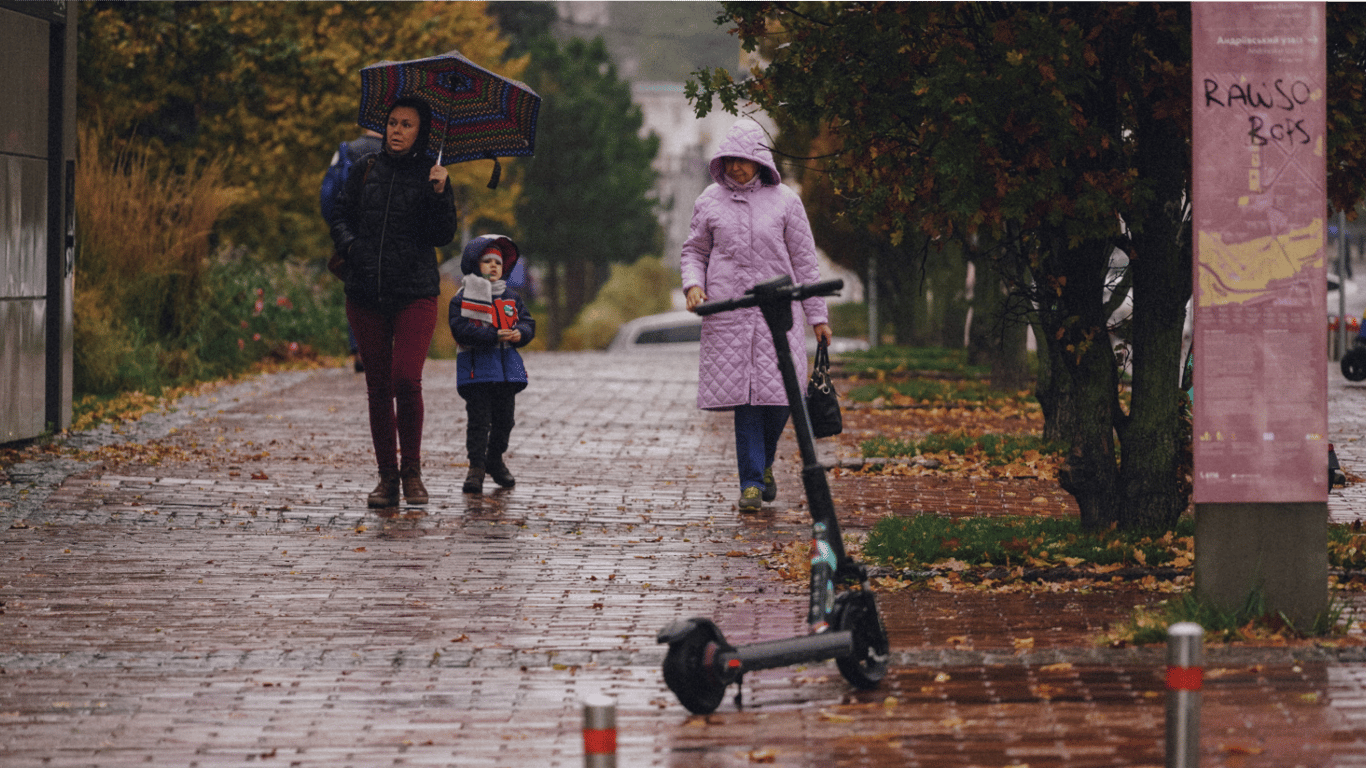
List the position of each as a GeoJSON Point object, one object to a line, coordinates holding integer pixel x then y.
{"type": "Point", "coordinates": [1259, 229]}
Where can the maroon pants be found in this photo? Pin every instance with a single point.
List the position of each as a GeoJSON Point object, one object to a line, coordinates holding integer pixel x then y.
{"type": "Point", "coordinates": [393, 346]}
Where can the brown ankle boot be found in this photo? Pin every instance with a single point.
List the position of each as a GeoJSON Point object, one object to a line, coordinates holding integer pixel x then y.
{"type": "Point", "coordinates": [474, 481]}
{"type": "Point", "coordinates": [414, 492]}
{"type": "Point", "coordinates": [386, 493]}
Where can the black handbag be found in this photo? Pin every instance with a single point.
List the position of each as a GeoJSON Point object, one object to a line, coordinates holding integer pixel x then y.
{"type": "Point", "coordinates": [822, 404]}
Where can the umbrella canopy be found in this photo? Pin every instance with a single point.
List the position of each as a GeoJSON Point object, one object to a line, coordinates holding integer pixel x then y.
{"type": "Point", "coordinates": [476, 114]}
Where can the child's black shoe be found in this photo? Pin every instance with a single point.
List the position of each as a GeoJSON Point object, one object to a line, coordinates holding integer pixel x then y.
{"type": "Point", "coordinates": [500, 474]}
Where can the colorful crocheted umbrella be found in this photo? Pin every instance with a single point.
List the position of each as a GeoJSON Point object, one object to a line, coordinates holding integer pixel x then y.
{"type": "Point", "coordinates": [476, 114]}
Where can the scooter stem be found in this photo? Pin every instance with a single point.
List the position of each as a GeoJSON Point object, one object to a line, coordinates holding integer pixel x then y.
{"type": "Point", "coordinates": [776, 305]}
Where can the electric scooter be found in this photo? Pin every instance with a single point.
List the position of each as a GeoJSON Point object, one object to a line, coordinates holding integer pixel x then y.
{"type": "Point", "coordinates": [842, 615]}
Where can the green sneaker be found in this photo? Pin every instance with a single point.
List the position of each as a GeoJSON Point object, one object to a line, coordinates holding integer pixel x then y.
{"type": "Point", "coordinates": [750, 500]}
{"type": "Point", "coordinates": [770, 485]}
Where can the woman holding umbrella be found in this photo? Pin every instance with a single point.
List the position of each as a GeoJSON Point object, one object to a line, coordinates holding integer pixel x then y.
{"type": "Point", "coordinates": [394, 210]}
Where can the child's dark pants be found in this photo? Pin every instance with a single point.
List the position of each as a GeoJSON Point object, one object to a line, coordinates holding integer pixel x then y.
{"type": "Point", "coordinates": [490, 408]}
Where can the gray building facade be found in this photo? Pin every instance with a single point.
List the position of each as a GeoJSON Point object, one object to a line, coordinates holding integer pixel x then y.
{"type": "Point", "coordinates": [37, 216]}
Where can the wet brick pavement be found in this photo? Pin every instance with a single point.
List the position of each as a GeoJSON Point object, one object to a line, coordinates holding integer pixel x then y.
{"type": "Point", "coordinates": [237, 604]}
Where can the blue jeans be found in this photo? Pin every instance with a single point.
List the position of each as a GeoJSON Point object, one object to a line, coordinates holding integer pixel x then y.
{"type": "Point", "coordinates": [757, 429]}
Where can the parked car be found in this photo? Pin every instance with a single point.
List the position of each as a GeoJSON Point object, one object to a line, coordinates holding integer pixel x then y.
{"type": "Point", "coordinates": [681, 330]}
{"type": "Point", "coordinates": [667, 331]}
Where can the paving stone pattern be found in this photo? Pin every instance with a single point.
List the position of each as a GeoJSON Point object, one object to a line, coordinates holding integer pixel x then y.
{"type": "Point", "coordinates": [240, 605]}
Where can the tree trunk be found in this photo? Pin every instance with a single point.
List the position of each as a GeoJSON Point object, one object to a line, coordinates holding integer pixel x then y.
{"type": "Point", "coordinates": [1154, 438]}
{"type": "Point", "coordinates": [997, 336]}
{"type": "Point", "coordinates": [950, 281]}
{"type": "Point", "coordinates": [1151, 436]}
{"type": "Point", "coordinates": [1083, 382]}
{"type": "Point", "coordinates": [576, 280]}
{"type": "Point", "coordinates": [900, 291]}
{"type": "Point", "coordinates": [1009, 361]}
{"type": "Point", "coordinates": [1089, 473]}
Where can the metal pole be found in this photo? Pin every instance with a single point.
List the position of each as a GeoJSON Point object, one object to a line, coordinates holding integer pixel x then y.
{"type": "Point", "coordinates": [599, 732]}
{"type": "Point", "coordinates": [1185, 677]}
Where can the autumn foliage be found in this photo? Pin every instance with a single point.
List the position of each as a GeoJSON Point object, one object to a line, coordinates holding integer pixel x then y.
{"type": "Point", "coordinates": [269, 90]}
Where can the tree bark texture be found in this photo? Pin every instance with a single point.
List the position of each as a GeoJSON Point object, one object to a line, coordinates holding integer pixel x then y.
{"type": "Point", "coordinates": [1084, 382]}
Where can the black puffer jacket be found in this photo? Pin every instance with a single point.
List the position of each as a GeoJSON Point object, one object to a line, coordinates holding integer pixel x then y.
{"type": "Point", "coordinates": [388, 225]}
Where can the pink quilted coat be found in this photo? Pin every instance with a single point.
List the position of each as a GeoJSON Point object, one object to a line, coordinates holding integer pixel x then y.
{"type": "Point", "coordinates": [742, 236]}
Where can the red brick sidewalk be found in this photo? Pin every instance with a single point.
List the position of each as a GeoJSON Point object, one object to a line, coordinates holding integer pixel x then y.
{"type": "Point", "coordinates": [237, 604]}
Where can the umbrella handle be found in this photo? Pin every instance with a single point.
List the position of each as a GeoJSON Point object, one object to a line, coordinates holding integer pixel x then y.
{"type": "Point", "coordinates": [441, 148]}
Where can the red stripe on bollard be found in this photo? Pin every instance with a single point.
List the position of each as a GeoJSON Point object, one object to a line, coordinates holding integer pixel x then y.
{"type": "Point", "coordinates": [599, 742]}
{"type": "Point", "coordinates": [599, 732]}
{"type": "Point", "coordinates": [1185, 678]}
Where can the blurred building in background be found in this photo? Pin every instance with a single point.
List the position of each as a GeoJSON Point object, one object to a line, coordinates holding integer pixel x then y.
{"type": "Point", "coordinates": [656, 46]}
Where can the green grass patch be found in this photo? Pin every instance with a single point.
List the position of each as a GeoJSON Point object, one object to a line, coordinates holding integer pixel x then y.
{"type": "Point", "coordinates": [924, 540]}
{"type": "Point", "coordinates": [1247, 621]}
{"type": "Point", "coordinates": [996, 448]}
{"type": "Point", "coordinates": [849, 318]}
{"type": "Point", "coordinates": [939, 391]}
{"type": "Point", "coordinates": [895, 359]}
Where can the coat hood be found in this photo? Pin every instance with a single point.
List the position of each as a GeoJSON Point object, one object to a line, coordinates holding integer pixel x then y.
{"type": "Point", "coordinates": [469, 258]}
{"type": "Point", "coordinates": [745, 140]}
{"type": "Point", "coordinates": [422, 145]}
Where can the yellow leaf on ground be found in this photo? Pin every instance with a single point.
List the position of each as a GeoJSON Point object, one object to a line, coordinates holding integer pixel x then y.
{"type": "Point", "coordinates": [1239, 749]}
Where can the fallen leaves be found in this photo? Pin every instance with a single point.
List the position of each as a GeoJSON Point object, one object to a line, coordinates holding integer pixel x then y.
{"type": "Point", "coordinates": [1240, 749]}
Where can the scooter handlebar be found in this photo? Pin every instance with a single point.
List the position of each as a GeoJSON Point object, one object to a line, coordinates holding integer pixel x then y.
{"type": "Point", "coordinates": [778, 289]}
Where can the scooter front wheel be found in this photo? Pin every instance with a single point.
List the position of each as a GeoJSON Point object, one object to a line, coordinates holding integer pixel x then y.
{"type": "Point", "coordinates": [867, 665]}
{"type": "Point", "coordinates": [1354, 364]}
{"type": "Point", "coordinates": [691, 673]}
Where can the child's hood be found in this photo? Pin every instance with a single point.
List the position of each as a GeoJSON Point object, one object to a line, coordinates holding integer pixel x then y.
{"type": "Point", "coordinates": [469, 258]}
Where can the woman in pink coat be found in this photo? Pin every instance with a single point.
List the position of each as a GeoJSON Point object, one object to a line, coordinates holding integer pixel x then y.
{"type": "Point", "coordinates": [747, 228]}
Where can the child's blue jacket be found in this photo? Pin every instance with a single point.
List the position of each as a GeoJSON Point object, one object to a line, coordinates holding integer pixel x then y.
{"type": "Point", "coordinates": [482, 359]}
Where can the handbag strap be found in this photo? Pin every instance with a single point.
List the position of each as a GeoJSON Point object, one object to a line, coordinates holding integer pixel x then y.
{"type": "Point", "coordinates": [820, 372]}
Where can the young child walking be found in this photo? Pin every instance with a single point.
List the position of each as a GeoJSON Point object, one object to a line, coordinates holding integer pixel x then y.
{"type": "Point", "coordinates": [489, 323]}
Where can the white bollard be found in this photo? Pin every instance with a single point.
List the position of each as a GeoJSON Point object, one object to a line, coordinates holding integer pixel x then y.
{"type": "Point", "coordinates": [599, 732]}
{"type": "Point", "coordinates": [1185, 678]}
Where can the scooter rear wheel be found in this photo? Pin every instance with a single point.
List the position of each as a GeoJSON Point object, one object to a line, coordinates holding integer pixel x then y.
{"type": "Point", "coordinates": [690, 672]}
{"type": "Point", "coordinates": [1354, 364]}
{"type": "Point", "coordinates": [867, 665]}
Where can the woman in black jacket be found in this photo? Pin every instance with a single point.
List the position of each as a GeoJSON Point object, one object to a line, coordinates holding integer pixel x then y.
{"type": "Point", "coordinates": [395, 209]}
